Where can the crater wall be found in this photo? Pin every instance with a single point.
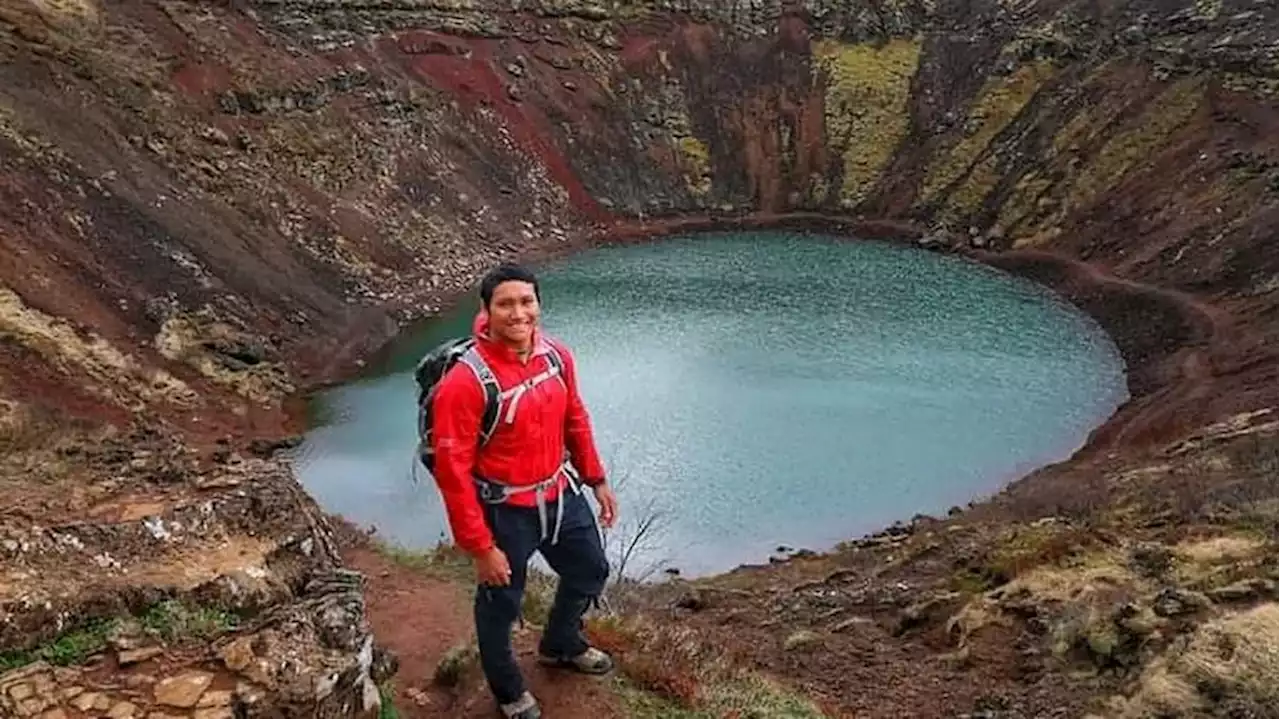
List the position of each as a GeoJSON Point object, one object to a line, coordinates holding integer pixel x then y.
{"type": "Point", "coordinates": [207, 207]}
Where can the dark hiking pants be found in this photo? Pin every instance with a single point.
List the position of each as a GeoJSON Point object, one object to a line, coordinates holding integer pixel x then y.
{"type": "Point", "coordinates": [577, 557]}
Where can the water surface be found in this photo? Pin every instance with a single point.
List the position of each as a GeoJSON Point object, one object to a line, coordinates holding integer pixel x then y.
{"type": "Point", "coordinates": [764, 389]}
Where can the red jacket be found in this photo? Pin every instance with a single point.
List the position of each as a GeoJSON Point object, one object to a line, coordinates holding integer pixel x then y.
{"type": "Point", "coordinates": [549, 418]}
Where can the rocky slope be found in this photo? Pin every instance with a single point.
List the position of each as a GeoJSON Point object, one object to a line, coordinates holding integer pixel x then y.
{"type": "Point", "coordinates": [208, 207]}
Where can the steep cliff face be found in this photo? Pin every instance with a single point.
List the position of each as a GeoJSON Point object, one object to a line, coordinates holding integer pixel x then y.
{"type": "Point", "coordinates": [206, 207]}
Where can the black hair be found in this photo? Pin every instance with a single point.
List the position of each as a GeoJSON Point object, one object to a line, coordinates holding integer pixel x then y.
{"type": "Point", "coordinates": [506, 272]}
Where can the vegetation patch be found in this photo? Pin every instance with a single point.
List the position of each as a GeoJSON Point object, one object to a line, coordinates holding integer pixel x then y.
{"type": "Point", "coordinates": [1227, 668]}
{"type": "Point", "coordinates": [667, 672]}
{"type": "Point", "coordinates": [101, 365]}
{"type": "Point", "coordinates": [1021, 549]}
{"type": "Point", "coordinates": [865, 108]}
{"type": "Point", "coordinates": [455, 664]}
{"type": "Point", "coordinates": [539, 595]}
{"type": "Point", "coordinates": [746, 697]}
{"type": "Point", "coordinates": [69, 648]}
{"type": "Point", "coordinates": [175, 621]}
{"type": "Point", "coordinates": [387, 703]}
{"type": "Point", "coordinates": [224, 355]}
{"type": "Point", "coordinates": [444, 561]}
{"type": "Point", "coordinates": [997, 104]}
{"type": "Point", "coordinates": [170, 621]}
{"type": "Point", "coordinates": [1129, 147]}
{"type": "Point", "coordinates": [696, 162]}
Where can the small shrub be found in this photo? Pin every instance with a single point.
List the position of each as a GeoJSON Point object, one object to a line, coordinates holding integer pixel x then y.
{"type": "Point", "coordinates": [454, 664]}
{"type": "Point", "coordinates": [387, 703]}
{"type": "Point", "coordinates": [665, 680]}
{"type": "Point", "coordinates": [72, 647]}
{"type": "Point", "coordinates": [172, 620]}
{"type": "Point", "coordinates": [539, 595]}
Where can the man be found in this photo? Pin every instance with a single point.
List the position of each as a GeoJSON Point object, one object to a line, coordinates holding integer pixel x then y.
{"type": "Point", "coordinates": [516, 493]}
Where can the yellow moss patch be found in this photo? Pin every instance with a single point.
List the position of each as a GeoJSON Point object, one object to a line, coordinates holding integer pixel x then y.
{"type": "Point", "coordinates": [106, 370]}
{"type": "Point", "coordinates": [1219, 560]}
{"type": "Point", "coordinates": [977, 614]}
{"type": "Point", "coordinates": [1022, 202]}
{"type": "Point", "coordinates": [697, 164]}
{"type": "Point", "coordinates": [1232, 656]}
{"type": "Point", "coordinates": [1137, 143]}
{"type": "Point", "coordinates": [1080, 581]}
{"type": "Point", "coordinates": [865, 112]}
{"type": "Point", "coordinates": [1219, 549]}
{"type": "Point", "coordinates": [998, 103]}
{"type": "Point", "coordinates": [182, 338]}
{"type": "Point", "coordinates": [1061, 584]}
{"type": "Point", "coordinates": [1208, 9]}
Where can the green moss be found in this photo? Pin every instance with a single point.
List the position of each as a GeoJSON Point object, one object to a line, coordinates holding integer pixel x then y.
{"type": "Point", "coordinates": [173, 620]}
{"type": "Point", "coordinates": [866, 115]}
{"type": "Point", "coordinates": [641, 704]}
{"type": "Point", "coordinates": [1138, 142]}
{"type": "Point", "coordinates": [387, 704]}
{"type": "Point", "coordinates": [71, 647]}
{"type": "Point", "coordinates": [445, 561]}
{"type": "Point", "coordinates": [979, 183]}
{"type": "Point", "coordinates": [997, 104]}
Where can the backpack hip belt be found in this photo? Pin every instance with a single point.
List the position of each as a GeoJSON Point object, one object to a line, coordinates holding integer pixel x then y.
{"type": "Point", "coordinates": [492, 492]}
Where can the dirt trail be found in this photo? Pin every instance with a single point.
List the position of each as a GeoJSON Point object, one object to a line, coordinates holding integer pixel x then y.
{"type": "Point", "coordinates": [419, 617]}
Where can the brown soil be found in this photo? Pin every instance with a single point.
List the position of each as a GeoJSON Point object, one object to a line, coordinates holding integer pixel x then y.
{"type": "Point", "coordinates": [419, 617]}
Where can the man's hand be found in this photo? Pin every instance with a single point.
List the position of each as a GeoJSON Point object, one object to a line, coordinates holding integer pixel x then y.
{"type": "Point", "coordinates": [492, 568]}
{"type": "Point", "coordinates": [608, 504]}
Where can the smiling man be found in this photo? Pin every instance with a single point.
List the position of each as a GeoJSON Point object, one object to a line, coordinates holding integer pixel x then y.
{"type": "Point", "coordinates": [518, 492]}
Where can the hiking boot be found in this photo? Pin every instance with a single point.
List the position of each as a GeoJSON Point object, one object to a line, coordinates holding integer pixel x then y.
{"type": "Point", "coordinates": [526, 707]}
{"type": "Point", "coordinates": [592, 661]}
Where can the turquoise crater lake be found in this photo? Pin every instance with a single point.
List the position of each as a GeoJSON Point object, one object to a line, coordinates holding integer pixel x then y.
{"type": "Point", "coordinates": [762, 389]}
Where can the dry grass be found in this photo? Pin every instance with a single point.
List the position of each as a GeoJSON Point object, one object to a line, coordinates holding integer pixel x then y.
{"type": "Point", "coordinates": [667, 671]}
{"type": "Point", "coordinates": [445, 560]}
{"type": "Point", "coordinates": [539, 595]}
{"type": "Point", "coordinates": [1215, 550]}
{"type": "Point", "coordinates": [1227, 668]}
{"type": "Point", "coordinates": [649, 657]}
{"type": "Point", "coordinates": [1025, 548]}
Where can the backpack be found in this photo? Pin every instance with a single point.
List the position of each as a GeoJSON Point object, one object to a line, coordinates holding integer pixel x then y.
{"type": "Point", "coordinates": [437, 362]}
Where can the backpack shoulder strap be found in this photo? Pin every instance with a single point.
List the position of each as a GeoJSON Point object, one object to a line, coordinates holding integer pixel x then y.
{"type": "Point", "coordinates": [492, 391]}
{"type": "Point", "coordinates": [555, 360]}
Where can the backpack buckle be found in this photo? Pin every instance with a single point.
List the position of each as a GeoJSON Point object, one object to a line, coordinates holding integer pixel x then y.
{"type": "Point", "coordinates": [491, 492]}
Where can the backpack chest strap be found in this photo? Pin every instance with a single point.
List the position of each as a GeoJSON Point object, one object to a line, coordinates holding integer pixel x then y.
{"type": "Point", "coordinates": [513, 395]}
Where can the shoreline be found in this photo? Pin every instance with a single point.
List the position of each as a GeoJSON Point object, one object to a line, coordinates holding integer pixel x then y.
{"type": "Point", "coordinates": [1165, 359]}
{"type": "Point", "coordinates": [1157, 375]}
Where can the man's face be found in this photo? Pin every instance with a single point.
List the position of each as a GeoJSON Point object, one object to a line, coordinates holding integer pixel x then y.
{"type": "Point", "coordinates": [513, 312]}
